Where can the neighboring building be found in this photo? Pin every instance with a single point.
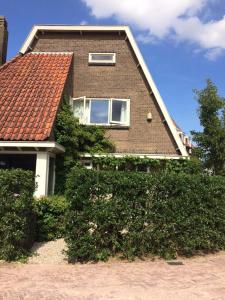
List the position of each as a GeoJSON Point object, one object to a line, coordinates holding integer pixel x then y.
{"type": "Point", "coordinates": [3, 40]}
{"type": "Point", "coordinates": [109, 84]}
{"type": "Point", "coordinates": [184, 138]}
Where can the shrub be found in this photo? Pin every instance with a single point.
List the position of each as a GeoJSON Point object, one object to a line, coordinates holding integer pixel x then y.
{"type": "Point", "coordinates": [17, 218]}
{"type": "Point", "coordinates": [50, 217]}
{"type": "Point", "coordinates": [136, 214]}
{"type": "Point", "coordinates": [131, 163]}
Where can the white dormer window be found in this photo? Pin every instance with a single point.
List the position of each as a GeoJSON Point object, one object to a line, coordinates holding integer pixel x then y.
{"type": "Point", "coordinates": [102, 58]}
{"type": "Point", "coordinates": [95, 111]}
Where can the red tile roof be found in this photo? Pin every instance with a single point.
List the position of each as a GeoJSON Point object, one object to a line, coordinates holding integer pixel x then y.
{"type": "Point", "coordinates": [31, 88]}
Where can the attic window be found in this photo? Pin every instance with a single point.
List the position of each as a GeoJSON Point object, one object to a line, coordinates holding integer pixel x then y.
{"type": "Point", "coordinates": [102, 58]}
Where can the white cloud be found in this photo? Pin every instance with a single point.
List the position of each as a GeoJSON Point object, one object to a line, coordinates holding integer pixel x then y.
{"type": "Point", "coordinates": [83, 22]}
{"type": "Point", "coordinates": [162, 19]}
{"type": "Point", "coordinates": [213, 54]}
{"type": "Point", "coordinates": [146, 38]}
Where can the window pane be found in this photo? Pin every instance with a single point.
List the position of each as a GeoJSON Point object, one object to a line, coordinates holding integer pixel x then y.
{"type": "Point", "coordinates": [78, 109]}
{"type": "Point", "coordinates": [99, 111]}
{"type": "Point", "coordinates": [119, 111]}
{"type": "Point", "coordinates": [102, 57]}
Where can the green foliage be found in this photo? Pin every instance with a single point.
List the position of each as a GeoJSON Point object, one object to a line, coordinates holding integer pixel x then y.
{"type": "Point", "coordinates": [77, 139]}
{"type": "Point", "coordinates": [50, 213]}
{"type": "Point", "coordinates": [211, 142]}
{"type": "Point", "coordinates": [17, 217]}
{"type": "Point", "coordinates": [134, 214]}
{"type": "Point", "coordinates": [131, 163]}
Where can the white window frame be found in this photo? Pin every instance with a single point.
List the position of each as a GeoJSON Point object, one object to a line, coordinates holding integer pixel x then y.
{"type": "Point", "coordinates": [84, 104]}
{"type": "Point", "coordinates": [102, 62]}
{"type": "Point", "coordinates": [86, 119]}
{"type": "Point", "coordinates": [128, 111]}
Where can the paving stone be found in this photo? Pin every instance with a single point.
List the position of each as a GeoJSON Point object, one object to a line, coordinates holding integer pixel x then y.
{"type": "Point", "coordinates": [199, 278]}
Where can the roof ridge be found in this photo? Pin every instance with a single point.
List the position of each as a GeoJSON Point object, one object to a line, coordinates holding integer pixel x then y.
{"type": "Point", "coordinates": [51, 52]}
{"type": "Point", "coordinates": [12, 60]}
{"type": "Point", "coordinates": [19, 55]}
{"type": "Point", "coordinates": [85, 25]}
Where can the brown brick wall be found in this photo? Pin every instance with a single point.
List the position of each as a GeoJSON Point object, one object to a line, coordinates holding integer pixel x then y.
{"type": "Point", "coordinates": [124, 80]}
{"type": "Point", "coordinates": [3, 40]}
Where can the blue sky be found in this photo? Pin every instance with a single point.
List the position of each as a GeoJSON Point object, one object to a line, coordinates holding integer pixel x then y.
{"type": "Point", "coordinates": [183, 43]}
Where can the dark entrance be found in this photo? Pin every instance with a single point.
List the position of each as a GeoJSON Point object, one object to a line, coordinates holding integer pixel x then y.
{"type": "Point", "coordinates": [22, 161]}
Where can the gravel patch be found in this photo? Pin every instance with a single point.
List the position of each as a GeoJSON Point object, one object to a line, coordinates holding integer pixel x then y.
{"type": "Point", "coordinates": [51, 252]}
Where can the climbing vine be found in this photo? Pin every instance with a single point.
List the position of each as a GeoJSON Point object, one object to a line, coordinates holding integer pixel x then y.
{"type": "Point", "coordinates": [130, 163]}
{"type": "Point", "coordinates": [76, 139]}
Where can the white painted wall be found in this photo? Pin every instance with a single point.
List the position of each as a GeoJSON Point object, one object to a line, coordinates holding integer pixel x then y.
{"type": "Point", "coordinates": [41, 175]}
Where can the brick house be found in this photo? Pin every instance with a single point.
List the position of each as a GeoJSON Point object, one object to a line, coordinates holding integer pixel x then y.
{"type": "Point", "coordinates": [103, 72]}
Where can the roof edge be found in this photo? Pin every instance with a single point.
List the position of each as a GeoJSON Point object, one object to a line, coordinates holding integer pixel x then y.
{"type": "Point", "coordinates": [157, 95]}
{"type": "Point", "coordinates": [34, 144]}
{"type": "Point", "coordinates": [12, 60]}
{"type": "Point", "coordinates": [51, 53]}
{"type": "Point", "coordinates": [36, 28]}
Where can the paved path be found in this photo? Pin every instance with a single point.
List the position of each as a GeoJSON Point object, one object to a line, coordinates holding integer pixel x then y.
{"type": "Point", "coordinates": [199, 278]}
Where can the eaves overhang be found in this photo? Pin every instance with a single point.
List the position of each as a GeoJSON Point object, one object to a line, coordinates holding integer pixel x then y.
{"type": "Point", "coordinates": [30, 146]}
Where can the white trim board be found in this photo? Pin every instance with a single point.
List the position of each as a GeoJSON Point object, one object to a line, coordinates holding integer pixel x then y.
{"type": "Point", "coordinates": [29, 144]}
{"type": "Point", "coordinates": [27, 44]}
{"type": "Point", "coordinates": [120, 155]}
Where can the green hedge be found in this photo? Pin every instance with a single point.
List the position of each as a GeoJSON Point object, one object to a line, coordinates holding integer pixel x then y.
{"type": "Point", "coordinates": [17, 217]}
{"type": "Point", "coordinates": [136, 214]}
{"type": "Point", "coordinates": [50, 217]}
{"type": "Point", "coordinates": [132, 163]}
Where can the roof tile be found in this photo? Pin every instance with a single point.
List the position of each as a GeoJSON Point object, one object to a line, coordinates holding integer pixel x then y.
{"type": "Point", "coordinates": [31, 88]}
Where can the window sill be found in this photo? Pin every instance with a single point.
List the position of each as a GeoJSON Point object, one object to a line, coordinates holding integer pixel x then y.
{"type": "Point", "coordinates": [116, 126]}
{"type": "Point", "coordinates": [111, 126]}
{"type": "Point", "coordinates": [101, 64]}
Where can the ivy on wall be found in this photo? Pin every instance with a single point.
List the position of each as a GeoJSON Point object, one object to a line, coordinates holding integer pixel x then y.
{"type": "Point", "coordinates": [77, 139]}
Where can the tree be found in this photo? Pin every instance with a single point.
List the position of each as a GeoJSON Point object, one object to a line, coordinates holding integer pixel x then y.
{"type": "Point", "coordinates": [211, 141]}
{"type": "Point", "coordinates": [76, 139]}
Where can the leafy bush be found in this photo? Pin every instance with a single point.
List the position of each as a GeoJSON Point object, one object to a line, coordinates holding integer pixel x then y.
{"type": "Point", "coordinates": [17, 218]}
{"type": "Point", "coordinates": [131, 163]}
{"type": "Point", "coordinates": [50, 217]}
{"type": "Point", "coordinates": [136, 214]}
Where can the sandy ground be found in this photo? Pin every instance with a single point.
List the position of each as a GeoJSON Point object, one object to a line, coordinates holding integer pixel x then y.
{"type": "Point", "coordinates": [49, 253]}
{"type": "Point", "coordinates": [198, 278]}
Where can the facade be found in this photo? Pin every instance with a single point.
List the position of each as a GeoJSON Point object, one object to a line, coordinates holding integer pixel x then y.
{"type": "Point", "coordinates": [104, 74]}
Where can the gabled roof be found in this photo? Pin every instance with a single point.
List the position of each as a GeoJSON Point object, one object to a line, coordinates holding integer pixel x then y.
{"type": "Point", "coordinates": [65, 28]}
{"type": "Point", "coordinates": [31, 88]}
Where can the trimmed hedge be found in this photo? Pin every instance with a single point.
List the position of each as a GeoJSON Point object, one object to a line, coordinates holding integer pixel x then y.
{"type": "Point", "coordinates": [136, 214]}
{"type": "Point", "coordinates": [137, 164]}
{"type": "Point", "coordinates": [50, 217]}
{"type": "Point", "coordinates": [17, 217]}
